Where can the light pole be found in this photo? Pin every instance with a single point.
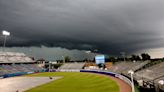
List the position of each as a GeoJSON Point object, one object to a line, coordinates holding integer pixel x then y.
{"type": "Point", "coordinates": [63, 59]}
{"type": "Point", "coordinates": [88, 52]}
{"type": "Point", "coordinates": [131, 72]}
{"type": "Point", "coordinates": [123, 55]}
{"type": "Point", "coordinates": [49, 66]}
{"type": "Point", "coordinates": [5, 33]}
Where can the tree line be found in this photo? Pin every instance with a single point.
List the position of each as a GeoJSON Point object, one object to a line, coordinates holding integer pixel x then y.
{"type": "Point", "coordinates": [133, 57]}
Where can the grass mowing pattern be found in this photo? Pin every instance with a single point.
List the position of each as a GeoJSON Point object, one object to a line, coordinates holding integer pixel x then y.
{"type": "Point", "coordinates": [76, 82]}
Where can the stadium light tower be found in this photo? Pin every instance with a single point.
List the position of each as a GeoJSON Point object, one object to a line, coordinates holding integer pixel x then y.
{"type": "Point", "coordinates": [123, 55]}
{"type": "Point", "coordinates": [63, 59]}
{"type": "Point", "coordinates": [50, 66]}
{"type": "Point", "coordinates": [5, 33]}
{"type": "Point", "coordinates": [88, 52]}
{"type": "Point", "coordinates": [131, 72]}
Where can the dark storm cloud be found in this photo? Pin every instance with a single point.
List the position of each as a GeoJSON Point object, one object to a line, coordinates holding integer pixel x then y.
{"type": "Point", "coordinates": [111, 26]}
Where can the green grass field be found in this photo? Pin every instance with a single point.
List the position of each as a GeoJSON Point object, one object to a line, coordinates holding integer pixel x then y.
{"type": "Point", "coordinates": [76, 82]}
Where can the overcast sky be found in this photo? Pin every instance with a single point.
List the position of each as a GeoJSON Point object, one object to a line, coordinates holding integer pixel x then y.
{"type": "Point", "coordinates": [110, 26]}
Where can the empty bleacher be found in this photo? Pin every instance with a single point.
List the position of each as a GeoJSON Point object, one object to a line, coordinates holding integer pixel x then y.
{"type": "Point", "coordinates": [147, 73]}
{"type": "Point", "coordinates": [72, 66]}
{"type": "Point", "coordinates": [12, 57]}
{"type": "Point", "coordinates": [152, 72]}
{"type": "Point", "coordinates": [124, 67]}
{"type": "Point", "coordinates": [14, 62]}
{"type": "Point", "coordinates": [17, 68]}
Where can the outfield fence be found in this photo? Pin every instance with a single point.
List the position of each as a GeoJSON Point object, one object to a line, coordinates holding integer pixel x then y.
{"type": "Point", "coordinates": [69, 70]}
{"type": "Point", "coordinates": [125, 79]}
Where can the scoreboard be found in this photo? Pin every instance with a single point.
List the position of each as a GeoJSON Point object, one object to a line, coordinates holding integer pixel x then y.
{"type": "Point", "coordinates": [100, 59]}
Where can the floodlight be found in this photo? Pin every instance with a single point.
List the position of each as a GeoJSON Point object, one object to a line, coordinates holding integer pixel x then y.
{"type": "Point", "coordinates": [130, 72]}
{"type": "Point", "coordinates": [88, 51]}
{"type": "Point", "coordinates": [161, 82]}
{"type": "Point", "coordinates": [6, 33]}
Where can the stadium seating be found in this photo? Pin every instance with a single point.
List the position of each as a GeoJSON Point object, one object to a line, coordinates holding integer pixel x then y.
{"type": "Point", "coordinates": [147, 73]}
{"type": "Point", "coordinates": [12, 57]}
{"type": "Point", "coordinates": [12, 63]}
{"type": "Point", "coordinates": [124, 67]}
{"type": "Point", "coordinates": [16, 68]}
{"type": "Point", "coordinates": [72, 66]}
{"type": "Point", "coordinates": [152, 72]}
